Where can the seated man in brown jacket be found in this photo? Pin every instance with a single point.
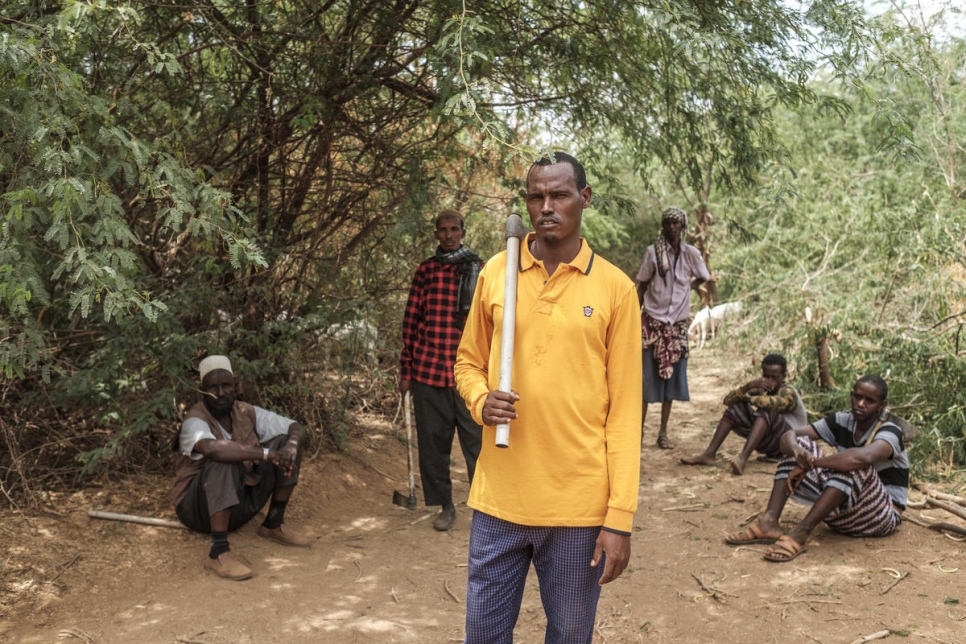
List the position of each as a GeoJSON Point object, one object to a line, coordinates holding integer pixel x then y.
{"type": "Point", "coordinates": [232, 458]}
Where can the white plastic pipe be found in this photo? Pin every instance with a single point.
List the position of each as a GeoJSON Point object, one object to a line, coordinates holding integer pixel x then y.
{"type": "Point", "coordinates": [516, 232]}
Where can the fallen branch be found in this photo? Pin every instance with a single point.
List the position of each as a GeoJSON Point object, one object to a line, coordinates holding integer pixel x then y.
{"type": "Point", "coordinates": [422, 518]}
{"type": "Point", "coordinates": [807, 601]}
{"type": "Point", "coordinates": [939, 526]}
{"type": "Point", "coordinates": [750, 519]}
{"type": "Point", "coordinates": [114, 516]}
{"type": "Point", "coordinates": [190, 640]}
{"type": "Point", "coordinates": [948, 507]}
{"type": "Point", "coordinates": [912, 518]}
{"type": "Point", "coordinates": [64, 568]}
{"type": "Point", "coordinates": [75, 632]}
{"type": "Point", "coordinates": [941, 495]}
{"type": "Point", "coordinates": [694, 507]}
{"type": "Point", "coordinates": [894, 582]}
{"type": "Point", "coordinates": [874, 636]}
{"type": "Point", "coordinates": [714, 593]}
{"type": "Point", "coordinates": [948, 527]}
{"type": "Point", "coordinates": [450, 592]}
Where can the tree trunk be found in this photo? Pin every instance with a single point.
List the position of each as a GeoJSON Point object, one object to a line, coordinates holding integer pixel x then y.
{"type": "Point", "coordinates": [702, 241]}
{"type": "Point", "coordinates": [824, 369]}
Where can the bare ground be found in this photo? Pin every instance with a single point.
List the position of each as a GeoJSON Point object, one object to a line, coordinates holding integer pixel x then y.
{"type": "Point", "coordinates": [379, 573]}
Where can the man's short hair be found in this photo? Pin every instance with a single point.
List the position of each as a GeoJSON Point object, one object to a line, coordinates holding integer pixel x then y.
{"type": "Point", "coordinates": [776, 358]}
{"type": "Point", "coordinates": [450, 214]}
{"type": "Point", "coordinates": [877, 382]}
{"type": "Point", "coordinates": [580, 176]}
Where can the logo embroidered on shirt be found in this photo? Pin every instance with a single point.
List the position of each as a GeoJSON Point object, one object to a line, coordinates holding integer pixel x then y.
{"type": "Point", "coordinates": [588, 311]}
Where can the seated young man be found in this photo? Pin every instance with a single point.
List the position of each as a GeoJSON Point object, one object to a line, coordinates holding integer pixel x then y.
{"type": "Point", "coordinates": [760, 411]}
{"type": "Point", "coordinates": [859, 491]}
{"type": "Point", "coordinates": [232, 459]}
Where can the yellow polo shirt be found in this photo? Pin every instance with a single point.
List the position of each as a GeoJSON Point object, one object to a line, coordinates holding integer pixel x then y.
{"type": "Point", "coordinates": [574, 454]}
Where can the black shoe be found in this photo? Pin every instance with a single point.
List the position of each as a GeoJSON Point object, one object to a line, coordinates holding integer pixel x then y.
{"type": "Point", "coordinates": [445, 519]}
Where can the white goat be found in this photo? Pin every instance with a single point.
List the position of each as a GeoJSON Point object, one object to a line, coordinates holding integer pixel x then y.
{"type": "Point", "coordinates": [710, 318]}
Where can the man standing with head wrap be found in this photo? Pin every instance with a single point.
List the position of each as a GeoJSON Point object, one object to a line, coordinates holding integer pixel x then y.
{"type": "Point", "coordinates": [670, 270]}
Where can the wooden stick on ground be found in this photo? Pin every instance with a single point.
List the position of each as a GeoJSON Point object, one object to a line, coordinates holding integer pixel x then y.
{"type": "Point", "coordinates": [874, 636]}
{"type": "Point", "coordinates": [685, 508]}
{"type": "Point", "coordinates": [912, 518]}
{"type": "Point", "coordinates": [714, 593]}
{"type": "Point", "coordinates": [959, 500]}
{"type": "Point", "coordinates": [450, 592]}
{"type": "Point", "coordinates": [894, 582]}
{"type": "Point", "coordinates": [114, 516]}
{"type": "Point", "coordinates": [948, 507]}
{"type": "Point", "coordinates": [939, 526]}
{"type": "Point", "coordinates": [750, 519]}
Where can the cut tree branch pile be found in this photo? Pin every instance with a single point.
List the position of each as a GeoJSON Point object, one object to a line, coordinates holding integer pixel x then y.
{"type": "Point", "coordinates": [955, 505]}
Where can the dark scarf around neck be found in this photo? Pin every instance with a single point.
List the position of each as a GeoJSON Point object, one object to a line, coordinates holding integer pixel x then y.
{"type": "Point", "coordinates": [469, 267]}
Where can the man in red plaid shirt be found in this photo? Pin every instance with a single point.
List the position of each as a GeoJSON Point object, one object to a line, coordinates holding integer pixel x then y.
{"type": "Point", "coordinates": [439, 301]}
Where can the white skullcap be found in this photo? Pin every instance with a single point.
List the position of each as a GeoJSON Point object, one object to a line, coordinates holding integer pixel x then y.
{"type": "Point", "coordinates": [214, 362]}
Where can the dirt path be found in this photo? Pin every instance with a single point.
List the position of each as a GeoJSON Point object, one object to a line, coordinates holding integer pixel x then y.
{"type": "Point", "coordinates": [378, 573]}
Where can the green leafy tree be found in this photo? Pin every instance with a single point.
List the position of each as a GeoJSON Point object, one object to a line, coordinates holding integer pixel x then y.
{"type": "Point", "coordinates": [870, 238]}
{"type": "Point", "coordinates": [241, 177]}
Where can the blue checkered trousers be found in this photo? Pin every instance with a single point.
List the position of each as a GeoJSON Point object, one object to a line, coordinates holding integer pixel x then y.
{"type": "Point", "coordinates": [499, 560]}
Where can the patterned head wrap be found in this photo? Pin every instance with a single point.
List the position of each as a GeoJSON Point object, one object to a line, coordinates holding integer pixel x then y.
{"type": "Point", "coordinates": [661, 248]}
{"type": "Point", "coordinates": [675, 214]}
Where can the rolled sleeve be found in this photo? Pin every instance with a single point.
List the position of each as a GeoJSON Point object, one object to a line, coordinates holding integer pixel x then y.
{"type": "Point", "coordinates": [698, 268]}
{"type": "Point", "coordinates": [735, 396]}
{"type": "Point", "coordinates": [648, 265]}
{"type": "Point", "coordinates": [268, 425]}
{"type": "Point", "coordinates": [193, 430]}
{"type": "Point", "coordinates": [783, 402]}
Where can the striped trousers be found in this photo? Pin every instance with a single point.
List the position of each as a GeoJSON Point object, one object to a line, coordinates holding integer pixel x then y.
{"type": "Point", "coordinates": [866, 512]}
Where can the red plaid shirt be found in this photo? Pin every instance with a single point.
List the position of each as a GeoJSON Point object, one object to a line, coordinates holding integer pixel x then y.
{"type": "Point", "coordinates": [431, 330]}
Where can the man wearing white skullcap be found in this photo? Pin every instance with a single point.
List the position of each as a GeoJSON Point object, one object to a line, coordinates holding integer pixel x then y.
{"type": "Point", "coordinates": [233, 457]}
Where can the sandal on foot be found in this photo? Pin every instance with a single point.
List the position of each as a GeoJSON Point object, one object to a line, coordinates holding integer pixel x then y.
{"type": "Point", "coordinates": [664, 442]}
{"type": "Point", "coordinates": [785, 549]}
{"type": "Point", "coordinates": [751, 534]}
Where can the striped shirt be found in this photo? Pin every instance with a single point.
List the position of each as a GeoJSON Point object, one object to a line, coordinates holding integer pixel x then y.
{"type": "Point", "coordinates": [838, 430]}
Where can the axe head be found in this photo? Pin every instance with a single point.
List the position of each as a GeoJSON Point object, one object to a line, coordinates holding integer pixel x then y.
{"type": "Point", "coordinates": [408, 502]}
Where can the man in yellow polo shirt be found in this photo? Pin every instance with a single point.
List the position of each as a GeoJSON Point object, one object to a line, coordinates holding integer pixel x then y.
{"type": "Point", "coordinates": [563, 494]}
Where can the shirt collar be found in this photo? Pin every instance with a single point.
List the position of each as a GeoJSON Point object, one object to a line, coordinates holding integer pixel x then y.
{"type": "Point", "coordinates": [583, 262]}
